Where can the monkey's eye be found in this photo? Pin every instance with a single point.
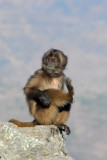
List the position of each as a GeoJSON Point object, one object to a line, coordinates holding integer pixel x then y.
{"type": "Point", "coordinates": [54, 61]}
{"type": "Point", "coordinates": [49, 59]}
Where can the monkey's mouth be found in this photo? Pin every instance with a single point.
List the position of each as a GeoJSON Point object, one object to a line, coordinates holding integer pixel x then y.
{"type": "Point", "coordinates": [50, 72]}
{"type": "Point", "coordinates": [50, 69]}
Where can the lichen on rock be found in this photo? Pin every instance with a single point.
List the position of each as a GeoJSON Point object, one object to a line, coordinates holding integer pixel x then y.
{"type": "Point", "coordinates": [31, 143]}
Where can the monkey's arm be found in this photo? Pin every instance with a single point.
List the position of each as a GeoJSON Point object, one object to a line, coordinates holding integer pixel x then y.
{"type": "Point", "coordinates": [37, 95]}
{"type": "Point", "coordinates": [70, 88]}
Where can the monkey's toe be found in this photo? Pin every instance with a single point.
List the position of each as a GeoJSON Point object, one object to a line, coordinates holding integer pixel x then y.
{"type": "Point", "coordinates": [67, 130]}
{"type": "Point", "coordinates": [64, 128]}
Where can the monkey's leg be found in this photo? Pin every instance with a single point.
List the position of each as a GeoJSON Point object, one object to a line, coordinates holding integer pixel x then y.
{"type": "Point", "coordinates": [63, 127]}
{"type": "Point", "coordinates": [61, 120]}
{"type": "Point", "coordinates": [23, 124]}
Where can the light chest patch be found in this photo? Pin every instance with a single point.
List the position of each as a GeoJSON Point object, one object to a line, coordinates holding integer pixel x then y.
{"type": "Point", "coordinates": [54, 83]}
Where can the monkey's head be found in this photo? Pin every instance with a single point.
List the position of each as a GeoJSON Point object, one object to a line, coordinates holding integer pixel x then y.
{"type": "Point", "coordinates": [54, 62]}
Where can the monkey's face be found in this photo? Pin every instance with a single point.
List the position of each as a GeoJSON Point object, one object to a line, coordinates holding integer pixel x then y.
{"type": "Point", "coordinates": [51, 64]}
{"type": "Point", "coordinates": [54, 62]}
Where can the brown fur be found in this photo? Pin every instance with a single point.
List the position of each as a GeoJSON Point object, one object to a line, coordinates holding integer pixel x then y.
{"type": "Point", "coordinates": [52, 85]}
{"type": "Point", "coordinates": [51, 115]}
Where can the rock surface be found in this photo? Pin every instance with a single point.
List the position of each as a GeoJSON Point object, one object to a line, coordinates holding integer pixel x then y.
{"type": "Point", "coordinates": [34, 143]}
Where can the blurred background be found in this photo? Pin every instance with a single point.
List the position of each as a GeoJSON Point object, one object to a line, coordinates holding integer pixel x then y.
{"type": "Point", "coordinates": [28, 28]}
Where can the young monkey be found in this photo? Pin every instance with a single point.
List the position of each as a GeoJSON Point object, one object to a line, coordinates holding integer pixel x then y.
{"type": "Point", "coordinates": [47, 101]}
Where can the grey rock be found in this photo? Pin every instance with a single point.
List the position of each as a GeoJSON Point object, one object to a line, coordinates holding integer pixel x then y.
{"type": "Point", "coordinates": [31, 143]}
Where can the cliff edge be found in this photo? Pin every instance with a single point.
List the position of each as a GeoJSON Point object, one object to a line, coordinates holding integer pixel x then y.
{"type": "Point", "coordinates": [34, 143]}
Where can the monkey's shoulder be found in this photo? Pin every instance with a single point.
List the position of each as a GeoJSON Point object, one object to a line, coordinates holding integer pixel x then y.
{"type": "Point", "coordinates": [37, 75]}
{"type": "Point", "coordinates": [38, 72]}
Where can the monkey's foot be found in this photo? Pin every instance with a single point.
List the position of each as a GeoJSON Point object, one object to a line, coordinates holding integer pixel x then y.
{"type": "Point", "coordinates": [64, 128]}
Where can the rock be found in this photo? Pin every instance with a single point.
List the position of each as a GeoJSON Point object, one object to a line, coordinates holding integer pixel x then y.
{"type": "Point", "coordinates": [34, 143]}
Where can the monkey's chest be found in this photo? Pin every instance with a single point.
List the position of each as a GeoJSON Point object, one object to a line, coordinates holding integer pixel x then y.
{"type": "Point", "coordinates": [53, 84]}
{"type": "Point", "coordinates": [50, 83]}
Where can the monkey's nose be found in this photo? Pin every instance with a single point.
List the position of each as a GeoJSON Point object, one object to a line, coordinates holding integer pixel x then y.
{"type": "Point", "coordinates": [50, 67]}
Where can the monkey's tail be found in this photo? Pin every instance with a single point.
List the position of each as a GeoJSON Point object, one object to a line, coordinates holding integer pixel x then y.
{"type": "Point", "coordinates": [70, 88]}
{"type": "Point", "coordinates": [23, 124]}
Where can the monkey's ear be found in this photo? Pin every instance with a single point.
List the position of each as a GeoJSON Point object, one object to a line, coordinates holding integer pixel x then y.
{"type": "Point", "coordinates": [64, 59]}
{"type": "Point", "coordinates": [46, 54]}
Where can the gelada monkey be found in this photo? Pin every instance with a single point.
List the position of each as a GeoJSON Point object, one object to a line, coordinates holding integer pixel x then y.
{"type": "Point", "coordinates": [47, 101]}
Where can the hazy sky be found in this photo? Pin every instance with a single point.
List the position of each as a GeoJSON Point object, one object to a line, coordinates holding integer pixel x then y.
{"type": "Point", "coordinates": [28, 28]}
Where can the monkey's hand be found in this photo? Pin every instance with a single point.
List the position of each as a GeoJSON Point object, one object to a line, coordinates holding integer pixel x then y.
{"type": "Point", "coordinates": [39, 96]}
{"type": "Point", "coordinates": [44, 100]}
